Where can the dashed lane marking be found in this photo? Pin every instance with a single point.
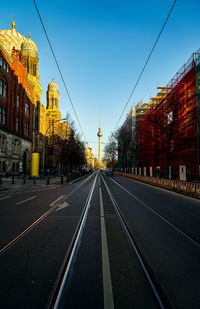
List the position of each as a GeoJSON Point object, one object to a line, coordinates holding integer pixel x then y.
{"type": "Point", "coordinates": [4, 197]}
{"type": "Point", "coordinates": [28, 199]}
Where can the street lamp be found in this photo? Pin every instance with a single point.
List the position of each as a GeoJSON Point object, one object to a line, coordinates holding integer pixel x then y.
{"type": "Point", "coordinates": [45, 140]}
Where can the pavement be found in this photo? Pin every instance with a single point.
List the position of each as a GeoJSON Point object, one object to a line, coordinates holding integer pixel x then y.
{"type": "Point", "coordinates": [7, 182]}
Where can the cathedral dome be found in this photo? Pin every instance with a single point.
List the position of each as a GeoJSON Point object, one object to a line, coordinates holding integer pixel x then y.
{"type": "Point", "coordinates": [29, 45]}
{"type": "Point", "coordinates": [10, 38]}
{"type": "Point", "coordinates": [52, 86]}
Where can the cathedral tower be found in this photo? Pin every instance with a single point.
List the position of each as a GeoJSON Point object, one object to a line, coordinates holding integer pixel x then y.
{"type": "Point", "coordinates": [53, 96]}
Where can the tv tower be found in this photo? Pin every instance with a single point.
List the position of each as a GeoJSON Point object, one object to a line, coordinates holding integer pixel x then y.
{"type": "Point", "coordinates": [99, 134]}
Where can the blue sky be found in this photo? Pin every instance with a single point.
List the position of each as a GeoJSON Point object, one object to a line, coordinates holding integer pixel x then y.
{"type": "Point", "coordinates": [101, 47]}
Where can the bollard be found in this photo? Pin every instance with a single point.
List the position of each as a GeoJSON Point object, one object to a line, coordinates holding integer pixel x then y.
{"type": "Point", "coordinates": [61, 180]}
{"type": "Point", "coordinates": [24, 180]}
{"type": "Point", "coordinates": [34, 180]}
{"type": "Point", "coordinates": [0, 182]}
{"type": "Point", "coordinates": [47, 180]}
{"type": "Point", "coordinates": [66, 178]}
{"type": "Point", "coordinates": [13, 179]}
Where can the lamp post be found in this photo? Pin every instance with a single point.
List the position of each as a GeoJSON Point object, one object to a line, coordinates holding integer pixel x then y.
{"type": "Point", "coordinates": [45, 140]}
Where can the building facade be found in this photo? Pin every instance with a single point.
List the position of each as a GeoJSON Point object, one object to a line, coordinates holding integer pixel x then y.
{"type": "Point", "coordinates": [24, 120]}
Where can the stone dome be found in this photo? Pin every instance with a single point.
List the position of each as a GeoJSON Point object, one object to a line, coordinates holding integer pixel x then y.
{"type": "Point", "coordinates": [52, 86]}
{"type": "Point", "coordinates": [10, 38]}
{"type": "Point", "coordinates": [29, 45]}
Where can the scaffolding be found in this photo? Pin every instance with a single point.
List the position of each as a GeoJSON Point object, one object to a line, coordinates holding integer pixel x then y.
{"type": "Point", "coordinates": [169, 132]}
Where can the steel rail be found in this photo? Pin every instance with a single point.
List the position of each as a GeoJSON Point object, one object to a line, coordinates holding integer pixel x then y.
{"type": "Point", "coordinates": [60, 283]}
{"type": "Point", "coordinates": [39, 220]}
{"type": "Point", "coordinates": [135, 249]}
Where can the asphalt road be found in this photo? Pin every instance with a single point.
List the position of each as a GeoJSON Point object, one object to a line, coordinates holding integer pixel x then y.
{"type": "Point", "coordinates": [105, 271]}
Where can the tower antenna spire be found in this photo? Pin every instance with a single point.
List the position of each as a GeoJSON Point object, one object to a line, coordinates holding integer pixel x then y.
{"type": "Point", "coordinates": [99, 134]}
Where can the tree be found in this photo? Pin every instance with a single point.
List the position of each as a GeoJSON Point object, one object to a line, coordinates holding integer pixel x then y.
{"type": "Point", "coordinates": [110, 151]}
{"type": "Point", "coordinates": [72, 152]}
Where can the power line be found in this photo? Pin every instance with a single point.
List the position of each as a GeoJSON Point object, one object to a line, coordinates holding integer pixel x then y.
{"type": "Point", "coordinates": [59, 69]}
{"type": "Point", "coordinates": [148, 58]}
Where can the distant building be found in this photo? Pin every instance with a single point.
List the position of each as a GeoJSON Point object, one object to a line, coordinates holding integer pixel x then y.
{"type": "Point", "coordinates": [89, 156]}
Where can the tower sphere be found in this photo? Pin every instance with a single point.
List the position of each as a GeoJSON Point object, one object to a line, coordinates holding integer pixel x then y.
{"type": "Point", "coordinates": [99, 134]}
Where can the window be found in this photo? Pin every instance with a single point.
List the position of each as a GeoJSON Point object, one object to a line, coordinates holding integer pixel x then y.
{"type": "Point", "coordinates": [5, 65]}
{"type": "Point", "coordinates": [18, 100]}
{"type": "Point", "coordinates": [17, 124]}
{"type": "Point", "coordinates": [170, 117]}
{"type": "Point", "coordinates": [26, 128]}
{"type": "Point", "coordinates": [3, 143]}
{"type": "Point", "coordinates": [3, 88]}
{"type": "Point", "coordinates": [27, 108]}
{"type": "Point", "coordinates": [7, 68]}
{"type": "Point", "coordinates": [1, 61]}
{"type": "Point", "coordinates": [16, 146]}
{"type": "Point", "coordinates": [2, 115]}
{"type": "Point", "coordinates": [4, 166]}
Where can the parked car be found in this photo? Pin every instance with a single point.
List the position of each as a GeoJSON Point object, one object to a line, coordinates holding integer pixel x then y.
{"type": "Point", "coordinates": [109, 173]}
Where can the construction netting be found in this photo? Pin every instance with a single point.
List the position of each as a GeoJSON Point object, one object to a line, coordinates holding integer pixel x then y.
{"type": "Point", "coordinates": [168, 134]}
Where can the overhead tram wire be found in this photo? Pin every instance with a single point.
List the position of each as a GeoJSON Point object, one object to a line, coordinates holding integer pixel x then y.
{"type": "Point", "coordinates": [148, 58]}
{"type": "Point", "coordinates": [59, 70]}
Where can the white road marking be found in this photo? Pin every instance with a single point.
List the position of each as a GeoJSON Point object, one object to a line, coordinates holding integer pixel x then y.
{"type": "Point", "coordinates": [107, 283]}
{"type": "Point", "coordinates": [58, 199]}
{"type": "Point", "coordinates": [61, 206]}
{"type": "Point", "coordinates": [4, 197]}
{"type": "Point", "coordinates": [28, 199]}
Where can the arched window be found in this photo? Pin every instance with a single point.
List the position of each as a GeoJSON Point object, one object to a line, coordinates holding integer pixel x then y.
{"type": "Point", "coordinates": [16, 146]}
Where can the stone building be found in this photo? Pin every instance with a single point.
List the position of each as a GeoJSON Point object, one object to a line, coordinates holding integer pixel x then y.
{"type": "Point", "coordinates": [24, 120]}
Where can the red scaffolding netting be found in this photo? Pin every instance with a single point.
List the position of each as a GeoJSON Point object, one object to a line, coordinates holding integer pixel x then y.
{"type": "Point", "coordinates": [168, 133]}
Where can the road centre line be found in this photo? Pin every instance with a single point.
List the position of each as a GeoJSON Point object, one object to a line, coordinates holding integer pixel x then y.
{"type": "Point", "coordinates": [107, 283]}
{"type": "Point", "coordinates": [28, 199]}
{"type": "Point", "coordinates": [157, 214]}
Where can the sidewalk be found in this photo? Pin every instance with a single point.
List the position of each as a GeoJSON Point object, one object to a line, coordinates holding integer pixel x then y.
{"type": "Point", "coordinates": [7, 183]}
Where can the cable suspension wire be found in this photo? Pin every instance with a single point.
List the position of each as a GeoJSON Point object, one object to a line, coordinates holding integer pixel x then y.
{"type": "Point", "coordinates": [54, 56]}
{"type": "Point", "coordinates": [148, 58]}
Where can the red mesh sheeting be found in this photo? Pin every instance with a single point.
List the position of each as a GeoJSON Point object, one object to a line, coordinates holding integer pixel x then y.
{"type": "Point", "coordinates": [168, 133]}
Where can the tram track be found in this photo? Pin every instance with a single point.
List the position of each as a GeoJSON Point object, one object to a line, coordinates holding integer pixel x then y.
{"type": "Point", "coordinates": [157, 291]}
{"type": "Point", "coordinates": [56, 295]}
{"type": "Point", "coordinates": [60, 287]}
